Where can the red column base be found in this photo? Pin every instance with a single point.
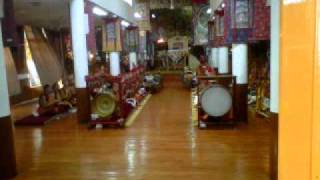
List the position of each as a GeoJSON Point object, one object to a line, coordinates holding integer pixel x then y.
{"type": "Point", "coordinates": [83, 105]}
{"type": "Point", "coordinates": [274, 147]}
{"type": "Point", "coordinates": [241, 102]}
{"type": "Point", "coordinates": [8, 168]}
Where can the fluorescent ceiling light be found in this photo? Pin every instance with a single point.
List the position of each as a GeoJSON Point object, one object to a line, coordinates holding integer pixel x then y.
{"type": "Point", "coordinates": [99, 12]}
{"type": "Point", "coordinates": [125, 23]}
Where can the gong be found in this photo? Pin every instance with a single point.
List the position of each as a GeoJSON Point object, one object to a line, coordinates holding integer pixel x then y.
{"type": "Point", "coordinates": [216, 100]}
{"type": "Point", "coordinates": [104, 105]}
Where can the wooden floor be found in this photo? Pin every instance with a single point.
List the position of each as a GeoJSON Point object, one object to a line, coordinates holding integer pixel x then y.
{"type": "Point", "coordinates": [161, 144]}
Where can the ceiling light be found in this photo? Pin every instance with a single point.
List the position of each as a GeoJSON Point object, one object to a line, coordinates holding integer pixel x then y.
{"type": "Point", "coordinates": [125, 23]}
{"type": "Point", "coordinates": [209, 11]}
{"type": "Point", "coordinates": [223, 5]}
{"type": "Point", "coordinates": [99, 12]}
{"type": "Point", "coordinates": [153, 16]}
{"type": "Point", "coordinates": [137, 15]}
{"type": "Point", "coordinates": [161, 40]}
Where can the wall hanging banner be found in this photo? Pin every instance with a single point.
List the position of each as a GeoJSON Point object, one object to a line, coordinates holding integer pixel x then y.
{"type": "Point", "coordinates": [131, 39]}
{"type": "Point", "coordinates": [91, 36]}
{"type": "Point", "coordinates": [238, 19]}
{"type": "Point", "coordinates": [261, 21]}
{"type": "Point", "coordinates": [112, 35]}
{"type": "Point", "coordinates": [143, 10]}
{"type": "Point", "coordinates": [219, 28]}
{"type": "Point", "coordinates": [246, 20]}
{"type": "Point", "coordinates": [12, 76]}
{"type": "Point", "coordinates": [45, 58]}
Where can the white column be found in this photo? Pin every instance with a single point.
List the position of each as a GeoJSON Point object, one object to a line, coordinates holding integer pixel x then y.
{"type": "Point", "coordinates": [115, 63]}
{"type": "Point", "coordinates": [4, 95]}
{"type": "Point", "coordinates": [133, 60]}
{"type": "Point", "coordinates": [275, 56]}
{"type": "Point", "coordinates": [223, 67]}
{"type": "Point", "coordinates": [240, 62]}
{"type": "Point", "coordinates": [214, 57]}
{"type": "Point", "coordinates": [79, 42]}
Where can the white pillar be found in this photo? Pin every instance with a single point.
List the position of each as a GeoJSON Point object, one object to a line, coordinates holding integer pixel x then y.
{"type": "Point", "coordinates": [275, 56]}
{"type": "Point", "coordinates": [240, 63]}
{"type": "Point", "coordinates": [223, 66]}
{"type": "Point", "coordinates": [115, 63]}
{"type": "Point", "coordinates": [79, 42]}
{"type": "Point", "coordinates": [4, 95]}
{"type": "Point", "coordinates": [133, 60]}
{"type": "Point", "coordinates": [214, 57]}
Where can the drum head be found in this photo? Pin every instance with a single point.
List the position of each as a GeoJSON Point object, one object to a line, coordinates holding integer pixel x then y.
{"type": "Point", "coordinates": [216, 100]}
{"type": "Point", "coordinates": [104, 105]}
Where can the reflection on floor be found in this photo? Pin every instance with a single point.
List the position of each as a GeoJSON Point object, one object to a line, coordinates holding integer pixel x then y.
{"type": "Point", "coordinates": [161, 144]}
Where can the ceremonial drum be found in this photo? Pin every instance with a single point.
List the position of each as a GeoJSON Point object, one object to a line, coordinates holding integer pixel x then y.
{"type": "Point", "coordinates": [104, 105]}
{"type": "Point", "coordinates": [216, 100]}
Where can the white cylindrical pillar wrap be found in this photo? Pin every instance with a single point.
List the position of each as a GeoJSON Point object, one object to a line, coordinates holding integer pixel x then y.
{"type": "Point", "coordinates": [240, 63]}
{"type": "Point", "coordinates": [79, 42]}
{"type": "Point", "coordinates": [133, 60]}
{"type": "Point", "coordinates": [275, 56]}
{"type": "Point", "coordinates": [115, 63]}
{"type": "Point", "coordinates": [214, 57]}
{"type": "Point", "coordinates": [8, 165]}
{"type": "Point", "coordinates": [4, 95]}
{"type": "Point", "coordinates": [223, 65]}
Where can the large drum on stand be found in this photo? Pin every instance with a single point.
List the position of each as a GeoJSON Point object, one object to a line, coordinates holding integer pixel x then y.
{"type": "Point", "coordinates": [216, 100]}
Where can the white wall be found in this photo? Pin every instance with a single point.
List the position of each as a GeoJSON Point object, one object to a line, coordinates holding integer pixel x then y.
{"type": "Point", "coordinates": [118, 7]}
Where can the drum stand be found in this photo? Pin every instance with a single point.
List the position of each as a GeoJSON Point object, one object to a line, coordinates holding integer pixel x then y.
{"type": "Point", "coordinates": [227, 120]}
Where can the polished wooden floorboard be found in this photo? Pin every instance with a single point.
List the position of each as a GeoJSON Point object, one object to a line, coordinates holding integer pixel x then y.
{"type": "Point", "coordinates": [161, 144]}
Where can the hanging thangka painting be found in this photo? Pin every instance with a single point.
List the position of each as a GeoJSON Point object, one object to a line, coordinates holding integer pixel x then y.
{"type": "Point", "coordinates": [241, 10]}
{"type": "Point", "coordinates": [132, 39]}
{"type": "Point", "coordinates": [200, 23]}
{"type": "Point", "coordinates": [112, 35]}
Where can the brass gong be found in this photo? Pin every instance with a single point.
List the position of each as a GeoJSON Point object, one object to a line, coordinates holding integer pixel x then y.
{"type": "Point", "coordinates": [104, 105]}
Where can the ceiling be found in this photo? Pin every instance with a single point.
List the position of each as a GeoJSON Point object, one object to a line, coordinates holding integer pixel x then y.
{"type": "Point", "coordinates": [159, 4]}
{"type": "Point", "coordinates": [52, 14]}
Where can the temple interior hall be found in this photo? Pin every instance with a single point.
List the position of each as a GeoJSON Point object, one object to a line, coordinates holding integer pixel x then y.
{"type": "Point", "coordinates": [160, 89]}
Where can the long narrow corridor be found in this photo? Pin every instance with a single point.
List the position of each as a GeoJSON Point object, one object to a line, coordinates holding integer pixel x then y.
{"type": "Point", "coordinates": [161, 144]}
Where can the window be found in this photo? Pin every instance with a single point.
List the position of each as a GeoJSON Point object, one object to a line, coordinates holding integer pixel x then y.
{"type": "Point", "coordinates": [34, 80]}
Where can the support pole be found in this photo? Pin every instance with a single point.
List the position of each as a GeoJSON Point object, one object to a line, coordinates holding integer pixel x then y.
{"type": "Point", "coordinates": [80, 53]}
{"type": "Point", "coordinates": [7, 150]}
{"type": "Point", "coordinates": [223, 66]}
{"type": "Point", "coordinates": [115, 63]}
{"type": "Point", "coordinates": [240, 70]}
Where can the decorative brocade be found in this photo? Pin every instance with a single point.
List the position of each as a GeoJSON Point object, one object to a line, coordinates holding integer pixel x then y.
{"type": "Point", "coordinates": [258, 30]}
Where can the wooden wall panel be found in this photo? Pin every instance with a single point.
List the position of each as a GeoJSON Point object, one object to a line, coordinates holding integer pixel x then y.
{"type": "Point", "coordinates": [296, 89]}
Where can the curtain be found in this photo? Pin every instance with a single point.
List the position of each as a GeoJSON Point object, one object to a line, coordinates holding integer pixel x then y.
{"type": "Point", "coordinates": [12, 76]}
{"type": "Point", "coordinates": [45, 58]}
